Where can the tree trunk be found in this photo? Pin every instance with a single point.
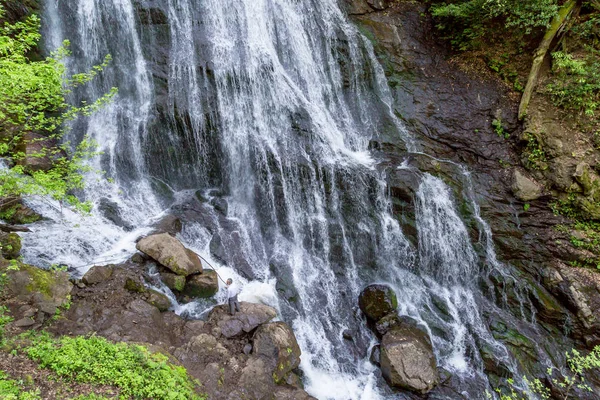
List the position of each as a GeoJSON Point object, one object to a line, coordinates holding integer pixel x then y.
{"type": "Point", "coordinates": [557, 25]}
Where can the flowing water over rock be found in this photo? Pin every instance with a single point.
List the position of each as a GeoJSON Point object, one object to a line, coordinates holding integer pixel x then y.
{"type": "Point", "coordinates": [253, 118]}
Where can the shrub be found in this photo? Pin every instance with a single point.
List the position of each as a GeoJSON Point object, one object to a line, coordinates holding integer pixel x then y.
{"type": "Point", "coordinates": [466, 20]}
{"type": "Point", "coordinates": [130, 367]}
{"type": "Point", "coordinates": [12, 390]}
{"type": "Point", "coordinates": [33, 108]}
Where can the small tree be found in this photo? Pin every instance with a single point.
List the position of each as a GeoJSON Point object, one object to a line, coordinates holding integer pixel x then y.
{"type": "Point", "coordinates": [34, 110]}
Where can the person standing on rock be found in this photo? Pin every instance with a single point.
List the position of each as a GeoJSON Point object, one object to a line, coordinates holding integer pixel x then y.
{"type": "Point", "coordinates": [232, 295]}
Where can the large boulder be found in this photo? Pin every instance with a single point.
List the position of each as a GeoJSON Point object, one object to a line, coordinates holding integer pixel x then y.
{"type": "Point", "coordinates": [276, 342]}
{"type": "Point", "coordinates": [525, 188]}
{"type": "Point", "coordinates": [170, 253]}
{"type": "Point", "coordinates": [202, 285]}
{"type": "Point", "coordinates": [35, 285]}
{"type": "Point", "coordinates": [246, 320]}
{"type": "Point", "coordinates": [407, 359]}
{"type": "Point", "coordinates": [97, 274]}
{"type": "Point", "coordinates": [376, 301]}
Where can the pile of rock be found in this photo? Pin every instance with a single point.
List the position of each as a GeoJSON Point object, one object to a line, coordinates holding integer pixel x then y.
{"type": "Point", "coordinates": [405, 354]}
{"type": "Point", "coordinates": [241, 356]}
{"type": "Point", "coordinates": [180, 268]}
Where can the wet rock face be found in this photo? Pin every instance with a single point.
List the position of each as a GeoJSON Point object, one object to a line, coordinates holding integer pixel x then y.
{"type": "Point", "coordinates": [170, 253]}
{"type": "Point", "coordinates": [407, 359]}
{"type": "Point", "coordinates": [580, 291]}
{"type": "Point", "coordinates": [277, 342]}
{"type": "Point", "coordinates": [376, 301]}
{"type": "Point", "coordinates": [112, 212]}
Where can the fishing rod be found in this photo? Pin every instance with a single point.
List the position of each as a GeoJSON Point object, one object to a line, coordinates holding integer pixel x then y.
{"type": "Point", "coordinates": [214, 269]}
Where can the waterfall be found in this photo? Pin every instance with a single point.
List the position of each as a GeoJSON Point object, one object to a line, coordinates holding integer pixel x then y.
{"type": "Point", "coordinates": [268, 105]}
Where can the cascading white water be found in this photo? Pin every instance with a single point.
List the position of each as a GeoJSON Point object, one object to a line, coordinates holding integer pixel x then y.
{"type": "Point", "coordinates": [274, 102]}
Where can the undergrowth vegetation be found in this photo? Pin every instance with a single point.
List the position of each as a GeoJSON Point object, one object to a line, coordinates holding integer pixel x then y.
{"type": "Point", "coordinates": [515, 27]}
{"type": "Point", "coordinates": [33, 116]}
{"type": "Point", "coordinates": [137, 373]}
{"type": "Point", "coordinates": [13, 390]}
{"type": "Point", "coordinates": [563, 381]}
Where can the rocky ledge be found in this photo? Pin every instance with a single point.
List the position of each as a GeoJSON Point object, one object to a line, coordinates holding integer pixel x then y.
{"type": "Point", "coordinates": [234, 357]}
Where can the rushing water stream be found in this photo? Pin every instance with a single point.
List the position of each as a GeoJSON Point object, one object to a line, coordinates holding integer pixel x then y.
{"type": "Point", "coordinates": [269, 105]}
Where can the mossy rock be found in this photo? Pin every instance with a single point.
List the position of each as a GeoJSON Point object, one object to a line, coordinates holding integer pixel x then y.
{"type": "Point", "coordinates": [202, 285]}
{"type": "Point", "coordinates": [173, 281]}
{"type": "Point", "coordinates": [30, 283]}
{"type": "Point", "coordinates": [377, 301]}
{"type": "Point", "coordinates": [521, 347]}
{"type": "Point", "coordinates": [11, 245]}
{"type": "Point", "coordinates": [135, 285]}
{"type": "Point", "coordinates": [158, 300]}
{"type": "Point", "coordinates": [13, 211]}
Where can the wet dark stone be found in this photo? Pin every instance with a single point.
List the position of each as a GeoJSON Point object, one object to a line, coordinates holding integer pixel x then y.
{"type": "Point", "coordinates": [220, 205]}
{"type": "Point", "coordinates": [112, 212]}
{"type": "Point", "coordinates": [347, 334]}
{"type": "Point", "coordinates": [376, 301]}
{"type": "Point", "coordinates": [375, 357]}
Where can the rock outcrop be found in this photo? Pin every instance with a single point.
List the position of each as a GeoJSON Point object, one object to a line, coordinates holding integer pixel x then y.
{"type": "Point", "coordinates": [525, 188]}
{"type": "Point", "coordinates": [216, 351]}
{"type": "Point", "coordinates": [407, 359]}
{"type": "Point", "coordinates": [171, 254]}
{"type": "Point", "coordinates": [249, 318]}
{"type": "Point", "coordinates": [276, 342]}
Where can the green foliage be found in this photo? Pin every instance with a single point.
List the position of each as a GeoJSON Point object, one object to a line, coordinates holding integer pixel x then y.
{"type": "Point", "coordinates": [33, 109]}
{"type": "Point", "coordinates": [4, 319]}
{"type": "Point", "coordinates": [466, 20]}
{"type": "Point", "coordinates": [536, 156]}
{"type": "Point", "coordinates": [90, 396]}
{"type": "Point", "coordinates": [13, 390]}
{"type": "Point", "coordinates": [499, 129]}
{"type": "Point", "coordinates": [567, 207]}
{"type": "Point", "coordinates": [131, 368]}
{"type": "Point", "coordinates": [577, 81]}
{"type": "Point", "coordinates": [578, 366]}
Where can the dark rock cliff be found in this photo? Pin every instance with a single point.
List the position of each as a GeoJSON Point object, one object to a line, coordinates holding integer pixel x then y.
{"type": "Point", "coordinates": [450, 110]}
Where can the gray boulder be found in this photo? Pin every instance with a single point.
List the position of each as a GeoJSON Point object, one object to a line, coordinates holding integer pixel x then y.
{"type": "Point", "coordinates": [97, 274]}
{"type": "Point", "coordinates": [170, 253]}
{"type": "Point", "coordinates": [276, 342]}
{"type": "Point", "coordinates": [249, 318]}
{"type": "Point", "coordinates": [525, 188]}
{"type": "Point", "coordinates": [407, 359]}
